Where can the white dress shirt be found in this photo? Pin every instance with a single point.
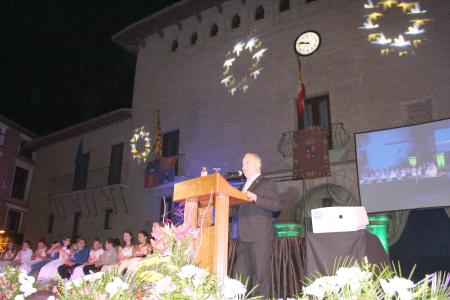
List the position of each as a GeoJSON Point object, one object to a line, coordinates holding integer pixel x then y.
{"type": "Point", "coordinates": [249, 182]}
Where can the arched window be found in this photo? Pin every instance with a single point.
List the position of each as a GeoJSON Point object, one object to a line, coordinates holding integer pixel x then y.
{"type": "Point", "coordinates": [174, 45]}
{"type": "Point", "coordinates": [259, 13]}
{"type": "Point", "coordinates": [284, 5]}
{"type": "Point", "coordinates": [214, 30]}
{"type": "Point", "coordinates": [194, 38]}
{"type": "Point", "coordinates": [235, 22]}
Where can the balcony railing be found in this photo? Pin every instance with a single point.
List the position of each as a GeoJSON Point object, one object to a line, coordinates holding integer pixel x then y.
{"type": "Point", "coordinates": [96, 178]}
{"type": "Point", "coordinates": [338, 136]}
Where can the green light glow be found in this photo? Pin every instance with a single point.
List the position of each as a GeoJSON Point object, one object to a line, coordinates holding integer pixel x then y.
{"type": "Point", "coordinates": [440, 160]}
{"type": "Point", "coordinates": [412, 161]}
{"type": "Point", "coordinates": [288, 229]}
{"type": "Point", "coordinates": [378, 226]}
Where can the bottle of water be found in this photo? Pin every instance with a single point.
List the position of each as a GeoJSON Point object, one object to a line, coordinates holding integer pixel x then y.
{"type": "Point", "coordinates": [204, 172]}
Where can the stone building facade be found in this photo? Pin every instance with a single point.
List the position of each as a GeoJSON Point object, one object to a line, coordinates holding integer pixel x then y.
{"type": "Point", "coordinates": [16, 173]}
{"type": "Point", "coordinates": [181, 53]}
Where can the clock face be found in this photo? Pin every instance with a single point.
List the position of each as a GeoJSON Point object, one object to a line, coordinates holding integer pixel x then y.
{"type": "Point", "coordinates": [307, 43]}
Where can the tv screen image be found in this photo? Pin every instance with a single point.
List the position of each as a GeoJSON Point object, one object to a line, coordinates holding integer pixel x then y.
{"type": "Point", "coordinates": [404, 168]}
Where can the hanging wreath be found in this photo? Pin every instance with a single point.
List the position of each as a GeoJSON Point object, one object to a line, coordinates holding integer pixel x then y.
{"type": "Point", "coordinates": [250, 50]}
{"type": "Point", "coordinates": [403, 42]}
{"type": "Point", "coordinates": [140, 145]}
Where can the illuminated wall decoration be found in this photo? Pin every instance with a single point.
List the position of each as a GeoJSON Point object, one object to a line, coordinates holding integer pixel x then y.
{"type": "Point", "coordinates": [406, 39]}
{"type": "Point", "coordinates": [242, 65]}
{"type": "Point", "coordinates": [140, 145]}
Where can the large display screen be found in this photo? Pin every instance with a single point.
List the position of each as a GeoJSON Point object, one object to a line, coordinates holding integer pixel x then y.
{"type": "Point", "coordinates": [404, 168]}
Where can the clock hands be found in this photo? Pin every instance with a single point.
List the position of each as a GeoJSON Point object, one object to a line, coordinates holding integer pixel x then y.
{"type": "Point", "coordinates": [303, 43]}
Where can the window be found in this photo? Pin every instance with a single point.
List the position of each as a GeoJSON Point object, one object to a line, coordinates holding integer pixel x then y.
{"type": "Point", "coordinates": [284, 5]}
{"type": "Point", "coordinates": [171, 143]}
{"type": "Point", "coordinates": [81, 173]}
{"type": "Point", "coordinates": [19, 183]}
{"type": "Point", "coordinates": [166, 209]}
{"type": "Point", "coordinates": [235, 22]}
{"type": "Point", "coordinates": [115, 164]}
{"type": "Point", "coordinates": [14, 220]}
{"type": "Point", "coordinates": [259, 13]}
{"type": "Point", "coordinates": [51, 219]}
{"type": "Point", "coordinates": [194, 38]}
{"type": "Point", "coordinates": [76, 222]}
{"type": "Point", "coordinates": [174, 46]}
{"type": "Point", "coordinates": [25, 150]}
{"type": "Point", "coordinates": [317, 112]}
{"type": "Point", "coordinates": [214, 30]}
{"type": "Point", "coordinates": [108, 217]}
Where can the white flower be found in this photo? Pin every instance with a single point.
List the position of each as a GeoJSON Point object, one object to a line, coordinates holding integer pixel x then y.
{"type": "Point", "coordinates": [195, 273]}
{"type": "Point", "coordinates": [27, 290]}
{"type": "Point", "coordinates": [315, 290]}
{"type": "Point", "coordinates": [51, 298]}
{"type": "Point", "coordinates": [233, 289]}
{"type": "Point", "coordinates": [93, 276]}
{"type": "Point", "coordinates": [19, 297]}
{"type": "Point", "coordinates": [352, 277]}
{"type": "Point", "coordinates": [116, 286]}
{"type": "Point", "coordinates": [398, 285]}
{"type": "Point", "coordinates": [164, 286]}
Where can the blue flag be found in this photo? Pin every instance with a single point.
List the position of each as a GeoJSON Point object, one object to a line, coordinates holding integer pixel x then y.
{"type": "Point", "coordinates": [79, 155]}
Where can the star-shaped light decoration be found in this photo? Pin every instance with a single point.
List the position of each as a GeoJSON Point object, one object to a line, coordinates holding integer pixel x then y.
{"type": "Point", "coordinates": [402, 41]}
{"type": "Point", "coordinates": [140, 145]}
{"type": "Point", "coordinates": [251, 47]}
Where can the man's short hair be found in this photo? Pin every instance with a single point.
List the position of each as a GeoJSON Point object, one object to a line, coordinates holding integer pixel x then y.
{"type": "Point", "coordinates": [255, 156]}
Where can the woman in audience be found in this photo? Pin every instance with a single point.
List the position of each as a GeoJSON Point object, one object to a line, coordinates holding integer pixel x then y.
{"type": "Point", "coordinates": [52, 254]}
{"type": "Point", "coordinates": [8, 255]}
{"type": "Point", "coordinates": [23, 258]}
{"type": "Point", "coordinates": [94, 255]}
{"type": "Point", "coordinates": [50, 270]}
{"type": "Point", "coordinates": [141, 250]}
{"type": "Point", "coordinates": [106, 261]}
{"type": "Point", "coordinates": [126, 252]}
{"type": "Point", "coordinates": [39, 254]}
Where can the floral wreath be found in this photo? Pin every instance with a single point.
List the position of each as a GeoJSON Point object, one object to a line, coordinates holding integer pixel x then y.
{"type": "Point", "coordinates": [406, 39]}
{"type": "Point", "coordinates": [252, 47]}
{"type": "Point", "coordinates": [140, 136]}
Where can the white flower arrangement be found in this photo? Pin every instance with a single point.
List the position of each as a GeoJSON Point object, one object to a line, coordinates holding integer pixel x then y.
{"type": "Point", "coordinates": [233, 289]}
{"type": "Point", "coordinates": [400, 287]}
{"type": "Point", "coordinates": [116, 286]}
{"type": "Point", "coordinates": [16, 284]}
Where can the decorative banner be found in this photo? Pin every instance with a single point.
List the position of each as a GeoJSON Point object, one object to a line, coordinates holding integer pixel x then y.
{"type": "Point", "coordinates": [248, 55]}
{"type": "Point", "coordinates": [140, 145]}
{"type": "Point", "coordinates": [311, 153]}
{"type": "Point", "coordinates": [406, 39]}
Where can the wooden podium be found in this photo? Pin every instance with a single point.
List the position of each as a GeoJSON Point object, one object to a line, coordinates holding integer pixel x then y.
{"type": "Point", "coordinates": [213, 191]}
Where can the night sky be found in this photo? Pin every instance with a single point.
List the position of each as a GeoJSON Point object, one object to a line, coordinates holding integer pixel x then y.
{"type": "Point", "coordinates": [59, 66]}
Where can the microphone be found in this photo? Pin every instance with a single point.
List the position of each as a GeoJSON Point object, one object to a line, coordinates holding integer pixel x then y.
{"type": "Point", "coordinates": [233, 175]}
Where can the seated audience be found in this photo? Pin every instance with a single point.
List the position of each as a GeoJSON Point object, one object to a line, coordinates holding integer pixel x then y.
{"type": "Point", "coordinates": [126, 252]}
{"type": "Point", "coordinates": [94, 255]}
{"type": "Point", "coordinates": [8, 255]}
{"type": "Point", "coordinates": [79, 257]}
{"type": "Point", "coordinates": [23, 257]}
{"type": "Point", "coordinates": [39, 254]}
{"type": "Point", "coordinates": [50, 270]}
{"type": "Point", "coordinates": [52, 254]}
{"type": "Point", "coordinates": [141, 250]}
{"type": "Point", "coordinates": [106, 261]}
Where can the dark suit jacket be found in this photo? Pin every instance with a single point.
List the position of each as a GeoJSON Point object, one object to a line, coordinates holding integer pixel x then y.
{"type": "Point", "coordinates": [255, 219]}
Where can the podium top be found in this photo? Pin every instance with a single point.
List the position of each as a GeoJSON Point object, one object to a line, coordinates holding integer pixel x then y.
{"type": "Point", "coordinates": [202, 188]}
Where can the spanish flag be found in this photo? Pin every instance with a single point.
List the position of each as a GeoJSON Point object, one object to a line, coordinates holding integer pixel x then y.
{"type": "Point", "coordinates": [157, 147]}
{"type": "Point", "coordinates": [301, 92]}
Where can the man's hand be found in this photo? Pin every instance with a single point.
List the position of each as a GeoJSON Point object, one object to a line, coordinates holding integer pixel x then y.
{"type": "Point", "coordinates": [251, 196]}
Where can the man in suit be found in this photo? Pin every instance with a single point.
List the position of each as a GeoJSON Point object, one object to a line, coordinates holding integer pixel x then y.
{"type": "Point", "coordinates": [255, 226]}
